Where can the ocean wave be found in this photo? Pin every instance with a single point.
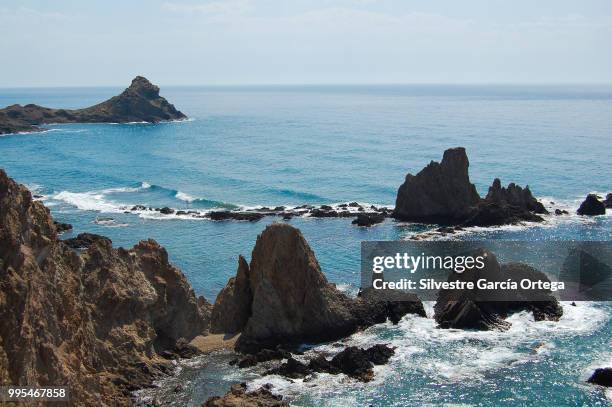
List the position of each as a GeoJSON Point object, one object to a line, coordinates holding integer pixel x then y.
{"type": "Point", "coordinates": [446, 355]}
{"type": "Point", "coordinates": [89, 201]}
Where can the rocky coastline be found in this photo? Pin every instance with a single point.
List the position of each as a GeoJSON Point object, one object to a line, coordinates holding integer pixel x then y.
{"type": "Point", "coordinates": [140, 102]}
{"type": "Point", "coordinates": [107, 321]}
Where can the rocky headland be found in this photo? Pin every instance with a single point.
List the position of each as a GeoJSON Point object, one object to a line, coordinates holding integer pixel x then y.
{"type": "Point", "coordinates": [140, 102]}
{"type": "Point", "coordinates": [97, 321]}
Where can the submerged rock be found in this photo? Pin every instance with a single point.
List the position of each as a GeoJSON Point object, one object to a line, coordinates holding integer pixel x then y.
{"type": "Point", "coordinates": [368, 219]}
{"type": "Point", "coordinates": [94, 321]}
{"type": "Point", "coordinates": [486, 309]}
{"type": "Point", "coordinates": [239, 397]}
{"type": "Point", "coordinates": [140, 102]}
{"type": "Point", "coordinates": [440, 193]}
{"type": "Point", "coordinates": [285, 299]}
{"type": "Point", "coordinates": [602, 377]}
{"type": "Point", "coordinates": [592, 206]}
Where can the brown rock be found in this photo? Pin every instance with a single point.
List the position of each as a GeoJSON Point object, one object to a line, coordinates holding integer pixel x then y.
{"type": "Point", "coordinates": [291, 301]}
{"type": "Point", "coordinates": [94, 322]}
{"type": "Point", "coordinates": [238, 397]}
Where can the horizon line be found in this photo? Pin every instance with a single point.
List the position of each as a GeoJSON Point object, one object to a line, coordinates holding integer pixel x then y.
{"type": "Point", "coordinates": [315, 84]}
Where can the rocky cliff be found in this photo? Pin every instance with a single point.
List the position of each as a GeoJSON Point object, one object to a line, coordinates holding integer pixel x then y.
{"type": "Point", "coordinates": [442, 193]}
{"type": "Point", "coordinates": [94, 321]}
{"type": "Point", "coordinates": [283, 298]}
{"type": "Point", "coordinates": [140, 102]}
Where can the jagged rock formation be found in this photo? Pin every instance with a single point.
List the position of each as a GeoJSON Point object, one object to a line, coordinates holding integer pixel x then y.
{"type": "Point", "coordinates": [592, 206]}
{"type": "Point", "coordinates": [608, 201]}
{"type": "Point", "coordinates": [439, 193]}
{"type": "Point", "coordinates": [140, 102]}
{"type": "Point", "coordinates": [289, 300]}
{"type": "Point", "coordinates": [442, 193]}
{"type": "Point", "coordinates": [238, 396]}
{"type": "Point", "coordinates": [484, 309]}
{"type": "Point", "coordinates": [94, 321]}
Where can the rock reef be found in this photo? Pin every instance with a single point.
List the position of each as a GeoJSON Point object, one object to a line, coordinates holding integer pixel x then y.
{"type": "Point", "coordinates": [483, 309]}
{"type": "Point", "coordinates": [95, 321]}
{"type": "Point", "coordinates": [442, 193]}
{"type": "Point", "coordinates": [283, 298]}
{"type": "Point", "coordinates": [140, 102]}
{"type": "Point", "coordinates": [592, 206]}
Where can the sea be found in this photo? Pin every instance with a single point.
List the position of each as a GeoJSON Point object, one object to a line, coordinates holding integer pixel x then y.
{"type": "Point", "coordinates": [253, 146]}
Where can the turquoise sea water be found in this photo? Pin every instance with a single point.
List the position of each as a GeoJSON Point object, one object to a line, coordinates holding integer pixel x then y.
{"type": "Point", "coordinates": [252, 146]}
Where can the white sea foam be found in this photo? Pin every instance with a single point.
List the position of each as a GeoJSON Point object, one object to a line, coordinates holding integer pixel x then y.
{"type": "Point", "coordinates": [182, 196]}
{"type": "Point", "coordinates": [89, 201]}
{"type": "Point", "coordinates": [448, 355]}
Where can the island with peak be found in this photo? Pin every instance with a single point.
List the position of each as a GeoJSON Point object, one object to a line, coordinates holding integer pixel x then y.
{"type": "Point", "coordinates": [140, 102]}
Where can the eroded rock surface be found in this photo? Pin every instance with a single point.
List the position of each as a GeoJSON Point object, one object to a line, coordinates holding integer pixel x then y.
{"type": "Point", "coordinates": [439, 193]}
{"type": "Point", "coordinates": [140, 102]}
{"type": "Point", "coordinates": [95, 322]}
{"type": "Point", "coordinates": [291, 301]}
{"type": "Point", "coordinates": [485, 309]}
{"type": "Point", "coordinates": [442, 193]}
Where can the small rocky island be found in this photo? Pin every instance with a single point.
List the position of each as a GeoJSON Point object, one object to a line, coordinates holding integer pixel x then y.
{"type": "Point", "coordinates": [140, 102]}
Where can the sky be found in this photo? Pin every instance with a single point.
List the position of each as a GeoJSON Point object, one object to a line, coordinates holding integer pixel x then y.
{"type": "Point", "coordinates": [236, 42]}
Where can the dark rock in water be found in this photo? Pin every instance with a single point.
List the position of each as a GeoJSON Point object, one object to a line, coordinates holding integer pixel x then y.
{"type": "Point", "coordinates": [62, 227]}
{"type": "Point", "coordinates": [321, 364]}
{"type": "Point", "coordinates": [140, 102]}
{"type": "Point", "coordinates": [326, 208]}
{"type": "Point", "coordinates": [182, 350]}
{"type": "Point", "coordinates": [97, 320]}
{"type": "Point", "coordinates": [354, 362]}
{"type": "Point", "coordinates": [321, 213]}
{"type": "Point", "coordinates": [263, 355]}
{"type": "Point", "coordinates": [602, 377]}
{"type": "Point", "coordinates": [292, 368]}
{"type": "Point", "coordinates": [561, 212]}
{"type": "Point", "coordinates": [592, 206]}
{"type": "Point", "coordinates": [495, 214]}
{"type": "Point", "coordinates": [139, 208]}
{"type": "Point", "coordinates": [166, 211]}
{"type": "Point", "coordinates": [86, 240]}
{"type": "Point", "coordinates": [608, 201]}
{"type": "Point", "coordinates": [247, 361]}
{"type": "Point", "coordinates": [368, 219]}
{"type": "Point", "coordinates": [289, 300]}
{"type": "Point", "coordinates": [239, 397]}
{"type": "Point", "coordinates": [380, 354]}
{"type": "Point", "coordinates": [229, 215]}
{"type": "Point", "coordinates": [484, 309]}
{"type": "Point", "coordinates": [440, 193]}
{"type": "Point", "coordinates": [515, 196]}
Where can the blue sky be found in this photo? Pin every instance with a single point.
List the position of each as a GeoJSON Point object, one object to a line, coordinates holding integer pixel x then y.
{"type": "Point", "coordinates": [200, 42]}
